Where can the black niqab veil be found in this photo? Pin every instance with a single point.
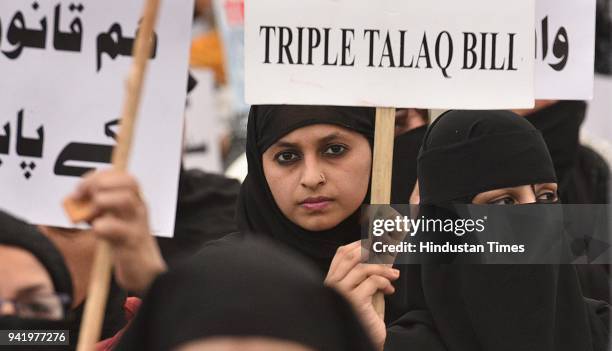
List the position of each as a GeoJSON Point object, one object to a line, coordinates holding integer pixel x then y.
{"type": "Point", "coordinates": [251, 289]}
{"type": "Point", "coordinates": [405, 153]}
{"type": "Point", "coordinates": [497, 307]}
{"type": "Point", "coordinates": [16, 233]}
{"type": "Point", "coordinates": [257, 211]}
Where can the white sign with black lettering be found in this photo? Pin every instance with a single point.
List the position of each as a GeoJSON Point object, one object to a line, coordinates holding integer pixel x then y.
{"type": "Point", "coordinates": [565, 49]}
{"type": "Point", "coordinates": [63, 66]}
{"type": "Point", "coordinates": [390, 53]}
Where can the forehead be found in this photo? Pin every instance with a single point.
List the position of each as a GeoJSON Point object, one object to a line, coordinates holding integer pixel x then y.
{"type": "Point", "coordinates": [20, 269]}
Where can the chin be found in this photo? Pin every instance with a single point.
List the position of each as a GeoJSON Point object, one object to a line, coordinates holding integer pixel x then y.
{"type": "Point", "coordinates": [318, 224]}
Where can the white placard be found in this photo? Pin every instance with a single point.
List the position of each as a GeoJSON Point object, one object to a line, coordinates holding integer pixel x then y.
{"type": "Point", "coordinates": [63, 66]}
{"type": "Point", "coordinates": [565, 49]}
{"type": "Point", "coordinates": [203, 125]}
{"type": "Point", "coordinates": [390, 53]}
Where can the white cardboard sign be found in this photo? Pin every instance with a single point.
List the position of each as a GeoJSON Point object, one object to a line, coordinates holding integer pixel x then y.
{"type": "Point", "coordinates": [390, 53]}
{"type": "Point", "coordinates": [203, 125]}
{"type": "Point", "coordinates": [63, 66]}
{"type": "Point", "coordinates": [565, 49]}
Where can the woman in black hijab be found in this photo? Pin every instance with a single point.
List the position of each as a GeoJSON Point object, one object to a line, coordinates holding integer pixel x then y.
{"type": "Point", "coordinates": [495, 157]}
{"type": "Point", "coordinates": [244, 294]}
{"type": "Point", "coordinates": [309, 174]}
{"type": "Point", "coordinates": [38, 285]}
{"type": "Point", "coordinates": [257, 210]}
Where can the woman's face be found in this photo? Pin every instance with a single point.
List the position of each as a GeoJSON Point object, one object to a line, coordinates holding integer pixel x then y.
{"type": "Point", "coordinates": [318, 175]}
{"type": "Point", "coordinates": [519, 195]}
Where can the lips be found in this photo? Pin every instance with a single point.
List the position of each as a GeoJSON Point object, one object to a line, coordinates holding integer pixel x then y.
{"type": "Point", "coordinates": [316, 203]}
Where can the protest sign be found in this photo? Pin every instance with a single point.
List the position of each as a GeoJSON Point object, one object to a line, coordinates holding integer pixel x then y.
{"type": "Point", "coordinates": [63, 66]}
{"type": "Point", "coordinates": [565, 49]}
{"type": "Point", "coordinates": [229, 15]}
{"type": "Point", "coordinates": [474, 54]}
{"type": "Point", "coordinates": [433, 54]}
{"type": "Point", "coordinates": [203, 125]}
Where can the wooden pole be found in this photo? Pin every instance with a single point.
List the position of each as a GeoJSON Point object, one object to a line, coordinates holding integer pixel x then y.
{"type": "Point", "coordinates": [93, 316]}
{"type": "Point", "coordinates": [382, 165]}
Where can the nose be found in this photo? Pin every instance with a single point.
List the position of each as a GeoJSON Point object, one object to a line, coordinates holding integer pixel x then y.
{"type": "Point", "coordinates": [312, 173]}
{"type": "Point", "coordinates": [528, 196]}
{"type": "Point", "coordinates": [7, 308]}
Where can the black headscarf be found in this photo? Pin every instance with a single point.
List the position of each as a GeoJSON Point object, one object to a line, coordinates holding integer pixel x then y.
{"type": "Point", "coordinates": [244, 290]}
{"type": "Point", "coordinates": [257, 211]}
{"type": "Point", "coordinates": [580, 176]}
{"type": "Point", "coordinates": [405, 153]}
{"type": "Point", "coordinates": [497, 307]}
{"type": "Point", "coordinates": [468, 152]}
{"type": "Point", "coordinates": [560, 126]}
{"type": "Point", "coordinates": [16, 233]}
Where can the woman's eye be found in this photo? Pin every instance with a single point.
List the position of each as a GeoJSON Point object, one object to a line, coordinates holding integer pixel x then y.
{"type": "Point", "coordinates": [39, 307]}
{"type": "Point", "coordinates": [286, 157]}
{"type": "Point", "coordinates": [503, 201]}
{"type": "Point", "coordinates": [548, 197]}
{"type": "Point", "coordinates": [335, 150]}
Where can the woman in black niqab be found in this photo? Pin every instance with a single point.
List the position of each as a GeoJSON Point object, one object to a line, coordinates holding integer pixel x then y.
{"type": "Point", "coordinates": [497, 307]}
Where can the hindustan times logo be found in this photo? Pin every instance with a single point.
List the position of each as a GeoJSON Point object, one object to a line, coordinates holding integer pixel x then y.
{"type": "Point", "coordinates": [459, 227]}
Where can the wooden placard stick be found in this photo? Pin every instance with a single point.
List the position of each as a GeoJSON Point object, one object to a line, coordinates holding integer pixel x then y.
{"type": "Point", "coordinates": [382, 164]}
{"type": "Point", "coordinates": [91, 325]}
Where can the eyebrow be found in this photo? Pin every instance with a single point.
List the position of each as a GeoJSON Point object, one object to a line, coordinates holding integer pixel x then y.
{"type": "Point", "coordinates": [287, 144]}
{"type": "Point", "coordinates": [326, 139]}
{"type": "Point", "coordinates": [329, 138]}
{"type": "Point", "coordinates": [30, 290]}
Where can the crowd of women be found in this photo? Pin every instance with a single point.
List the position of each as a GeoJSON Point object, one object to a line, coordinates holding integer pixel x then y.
{"type": "Point", "coordinates": [277, 262]}
{"type": "Point", "coordinates": [292, 275]}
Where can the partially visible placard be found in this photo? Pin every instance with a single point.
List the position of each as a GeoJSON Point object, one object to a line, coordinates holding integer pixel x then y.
{"type": "Point", "coordinates": [203, 125]}
{"type": "Point", "coordinates": [565, 49]}
{"type": "Point", "coordinates": [476, 54]}
{"type": "Point", "coordinates": [229, 15]}
{"type": "Point", "coordinates": [63, 66]}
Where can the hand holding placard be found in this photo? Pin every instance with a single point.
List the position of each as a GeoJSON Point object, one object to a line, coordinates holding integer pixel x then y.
{"type": "Point", "coordinates": [96, 302]}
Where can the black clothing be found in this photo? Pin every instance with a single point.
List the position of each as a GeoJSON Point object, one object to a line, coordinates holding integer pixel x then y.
{"type": "Point", "coordinates": [244, 290]}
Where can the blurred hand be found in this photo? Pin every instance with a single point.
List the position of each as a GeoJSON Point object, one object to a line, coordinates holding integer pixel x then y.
{"type": "Point", "coordinates": [359, 282]}
{"type": "Point", "coordinates": [119, 216]}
